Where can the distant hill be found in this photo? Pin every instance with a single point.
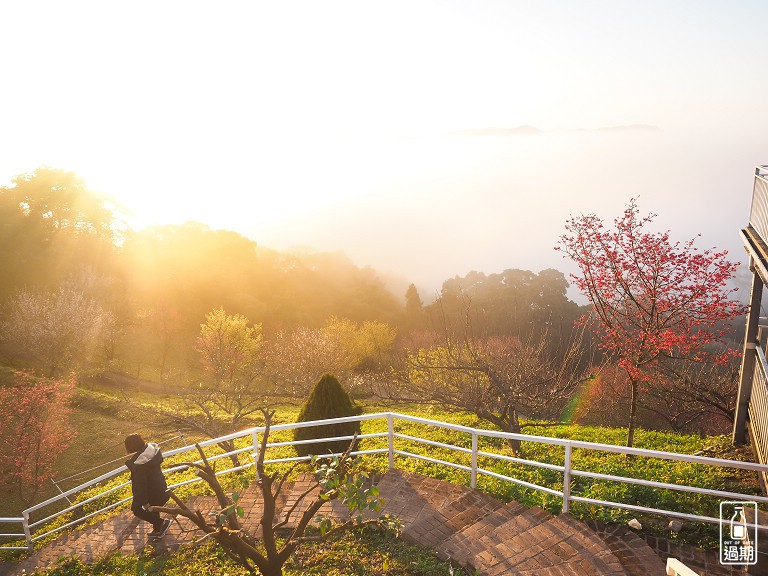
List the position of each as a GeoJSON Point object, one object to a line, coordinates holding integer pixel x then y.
{"type": "Point", "coordinates": [498, 132]}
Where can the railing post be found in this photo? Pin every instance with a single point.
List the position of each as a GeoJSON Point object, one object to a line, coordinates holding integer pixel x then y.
{"type": "Point", "coordinates": [567, 479]}
{"type": "Point", "coordinates": [27, 533]}
{"type": "Point", "coordinates": [391, 439]}
{"type": "Point", "coordinates": [473, 481]}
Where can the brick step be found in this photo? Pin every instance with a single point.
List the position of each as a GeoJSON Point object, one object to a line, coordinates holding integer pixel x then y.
{"type": "Point", "coordinates": [333, 509]}
{"type": "Point", "coordinates": [413, 498]}
{"type": "Point", "coordinates": [590, 545]}
{"type": "Point", "coordinates": [474, 537]}
{"type": "Point", "coordinates": [430, 511]}
{"type": "Point", "coordinates": [182, 531]}
{"type": "Point", "coordinates": [437, 522]}
{"type": "Point", "coordinates": [554, 543]}
{"type": "Point", "coordinates": [88, 544]}
{"type": "Point", "coordinates": [253, 507]}
{"type": "Point", "coordinates": [472, 540]}
{"type": "Point", "coordinates": [637, 558]}
{"type": "Point", "coordinates": [467, 509]}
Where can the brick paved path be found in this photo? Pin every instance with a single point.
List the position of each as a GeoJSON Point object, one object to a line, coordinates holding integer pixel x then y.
{"type": "Point", "coordinates": [466, 526]}
{"type": "Point", "coordinates": [626, 544]}
{"type": "Point", "coordinates": [479, 533]}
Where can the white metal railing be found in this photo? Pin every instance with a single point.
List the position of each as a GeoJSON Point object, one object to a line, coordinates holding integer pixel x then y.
{"type": "Point", "coordinates": [57, 483]}
{"type": "Point", "coordinates": [34, 531]}
{"type": "Point", "coordinates": [677, 568]}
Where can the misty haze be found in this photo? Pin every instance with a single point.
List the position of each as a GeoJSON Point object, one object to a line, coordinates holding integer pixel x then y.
{"type": "Point", "coordinates": [383, 288]}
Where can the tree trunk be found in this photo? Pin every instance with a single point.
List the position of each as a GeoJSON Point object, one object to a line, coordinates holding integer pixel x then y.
{"type": "Point", "coordinates": [508, 422]}
{"type": "Point", "coordinates": [229, 446]}
{"type": "Point", "coordinates": [513, 426]}
{"type": "Point", "coordinates": [273, 570]}
{"type": "Point", "coordinates": [632, 411]}
{"type": "Point", "coordinates": [163, 361]}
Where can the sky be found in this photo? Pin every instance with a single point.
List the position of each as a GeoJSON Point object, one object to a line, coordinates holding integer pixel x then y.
{"type": "Point", "coordinates": [422, 138]}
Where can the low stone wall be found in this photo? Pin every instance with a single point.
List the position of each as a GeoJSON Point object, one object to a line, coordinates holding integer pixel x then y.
{"type": "Point", "coordinates": [706, 562]}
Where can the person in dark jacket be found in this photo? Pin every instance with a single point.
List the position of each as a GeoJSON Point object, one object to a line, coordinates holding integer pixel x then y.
{"type": "Point", "coordinates": [147, 482]}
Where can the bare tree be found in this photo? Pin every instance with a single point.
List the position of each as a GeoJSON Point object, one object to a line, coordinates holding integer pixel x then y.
{"type": "Point", "coordinates": [687, 396]}
{"type": "Point", "coordinates": [336, 479]}
{"type": "Point", "coordinates": [699, 396]}
{"type": "Point", "coordinates": [214, 413]}
{"type": "Point", "coordinates": [351, 351]}
{"type": "Point", "coordinates": [499, 379]}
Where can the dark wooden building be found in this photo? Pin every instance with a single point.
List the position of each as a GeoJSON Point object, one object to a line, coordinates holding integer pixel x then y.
{"type": "Point", "coordinates": [751, 419]}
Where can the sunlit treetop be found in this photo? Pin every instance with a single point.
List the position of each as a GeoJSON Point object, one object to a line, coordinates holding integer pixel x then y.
{"type": "Point", "coordinates": [57, 200]}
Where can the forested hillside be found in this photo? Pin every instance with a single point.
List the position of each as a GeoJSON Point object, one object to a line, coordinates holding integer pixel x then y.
{"type": "Point", "coordinates": [146, 292]}
{"type": "Point", "coordinates": [194, 329]}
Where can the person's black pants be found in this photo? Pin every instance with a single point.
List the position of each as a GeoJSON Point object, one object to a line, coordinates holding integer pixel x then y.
{"type": "Point", "coordinates": [152, 517]}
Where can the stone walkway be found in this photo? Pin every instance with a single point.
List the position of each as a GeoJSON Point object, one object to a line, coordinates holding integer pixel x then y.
{"type": "Point", "coordinates": [465, 526]}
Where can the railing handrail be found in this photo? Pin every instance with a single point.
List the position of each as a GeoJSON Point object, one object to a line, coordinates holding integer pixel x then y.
{"type": "Point", "coordinates": [591, 445]}
{"type": "Point", "coordinates": [203, 444]}
{"type": "Point", "coordinates": [567, 468]}
{"type": "Point", "coordinates": [102, 465]}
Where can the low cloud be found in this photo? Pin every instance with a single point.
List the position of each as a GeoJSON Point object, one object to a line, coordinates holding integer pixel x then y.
{"type": "Point", "coordinates": [630, 128]}
{"type": "Point", "coordinates": [495, 132]}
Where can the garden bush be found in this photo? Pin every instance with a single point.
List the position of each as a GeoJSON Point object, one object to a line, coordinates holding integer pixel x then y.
{"type": "Point", "coordinates": [328, 399]}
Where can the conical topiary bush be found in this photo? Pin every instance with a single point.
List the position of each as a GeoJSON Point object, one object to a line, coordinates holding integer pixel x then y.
{"type": "Point", "coordinates": [328, 399]}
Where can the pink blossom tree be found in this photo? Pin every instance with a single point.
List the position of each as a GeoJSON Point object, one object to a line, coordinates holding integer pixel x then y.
{"type": "Point", "coordinates": [653, 299]}
{"type": "Point", "coordinates": [36, 430]}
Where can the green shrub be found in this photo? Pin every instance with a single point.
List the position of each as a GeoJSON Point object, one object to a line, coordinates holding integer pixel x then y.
{"type": "Point", "coordinates": [328, 399]}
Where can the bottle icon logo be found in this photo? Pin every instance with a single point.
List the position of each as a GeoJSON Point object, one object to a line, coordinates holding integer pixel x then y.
{"type": "Point", "coordinates": [738, 524]}
{"type": "Point", "coordinates": [738, 533]}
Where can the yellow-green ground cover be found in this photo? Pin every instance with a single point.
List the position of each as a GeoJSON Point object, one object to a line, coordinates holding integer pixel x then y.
{"type": "Point", "coordinates": [103, 419]}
